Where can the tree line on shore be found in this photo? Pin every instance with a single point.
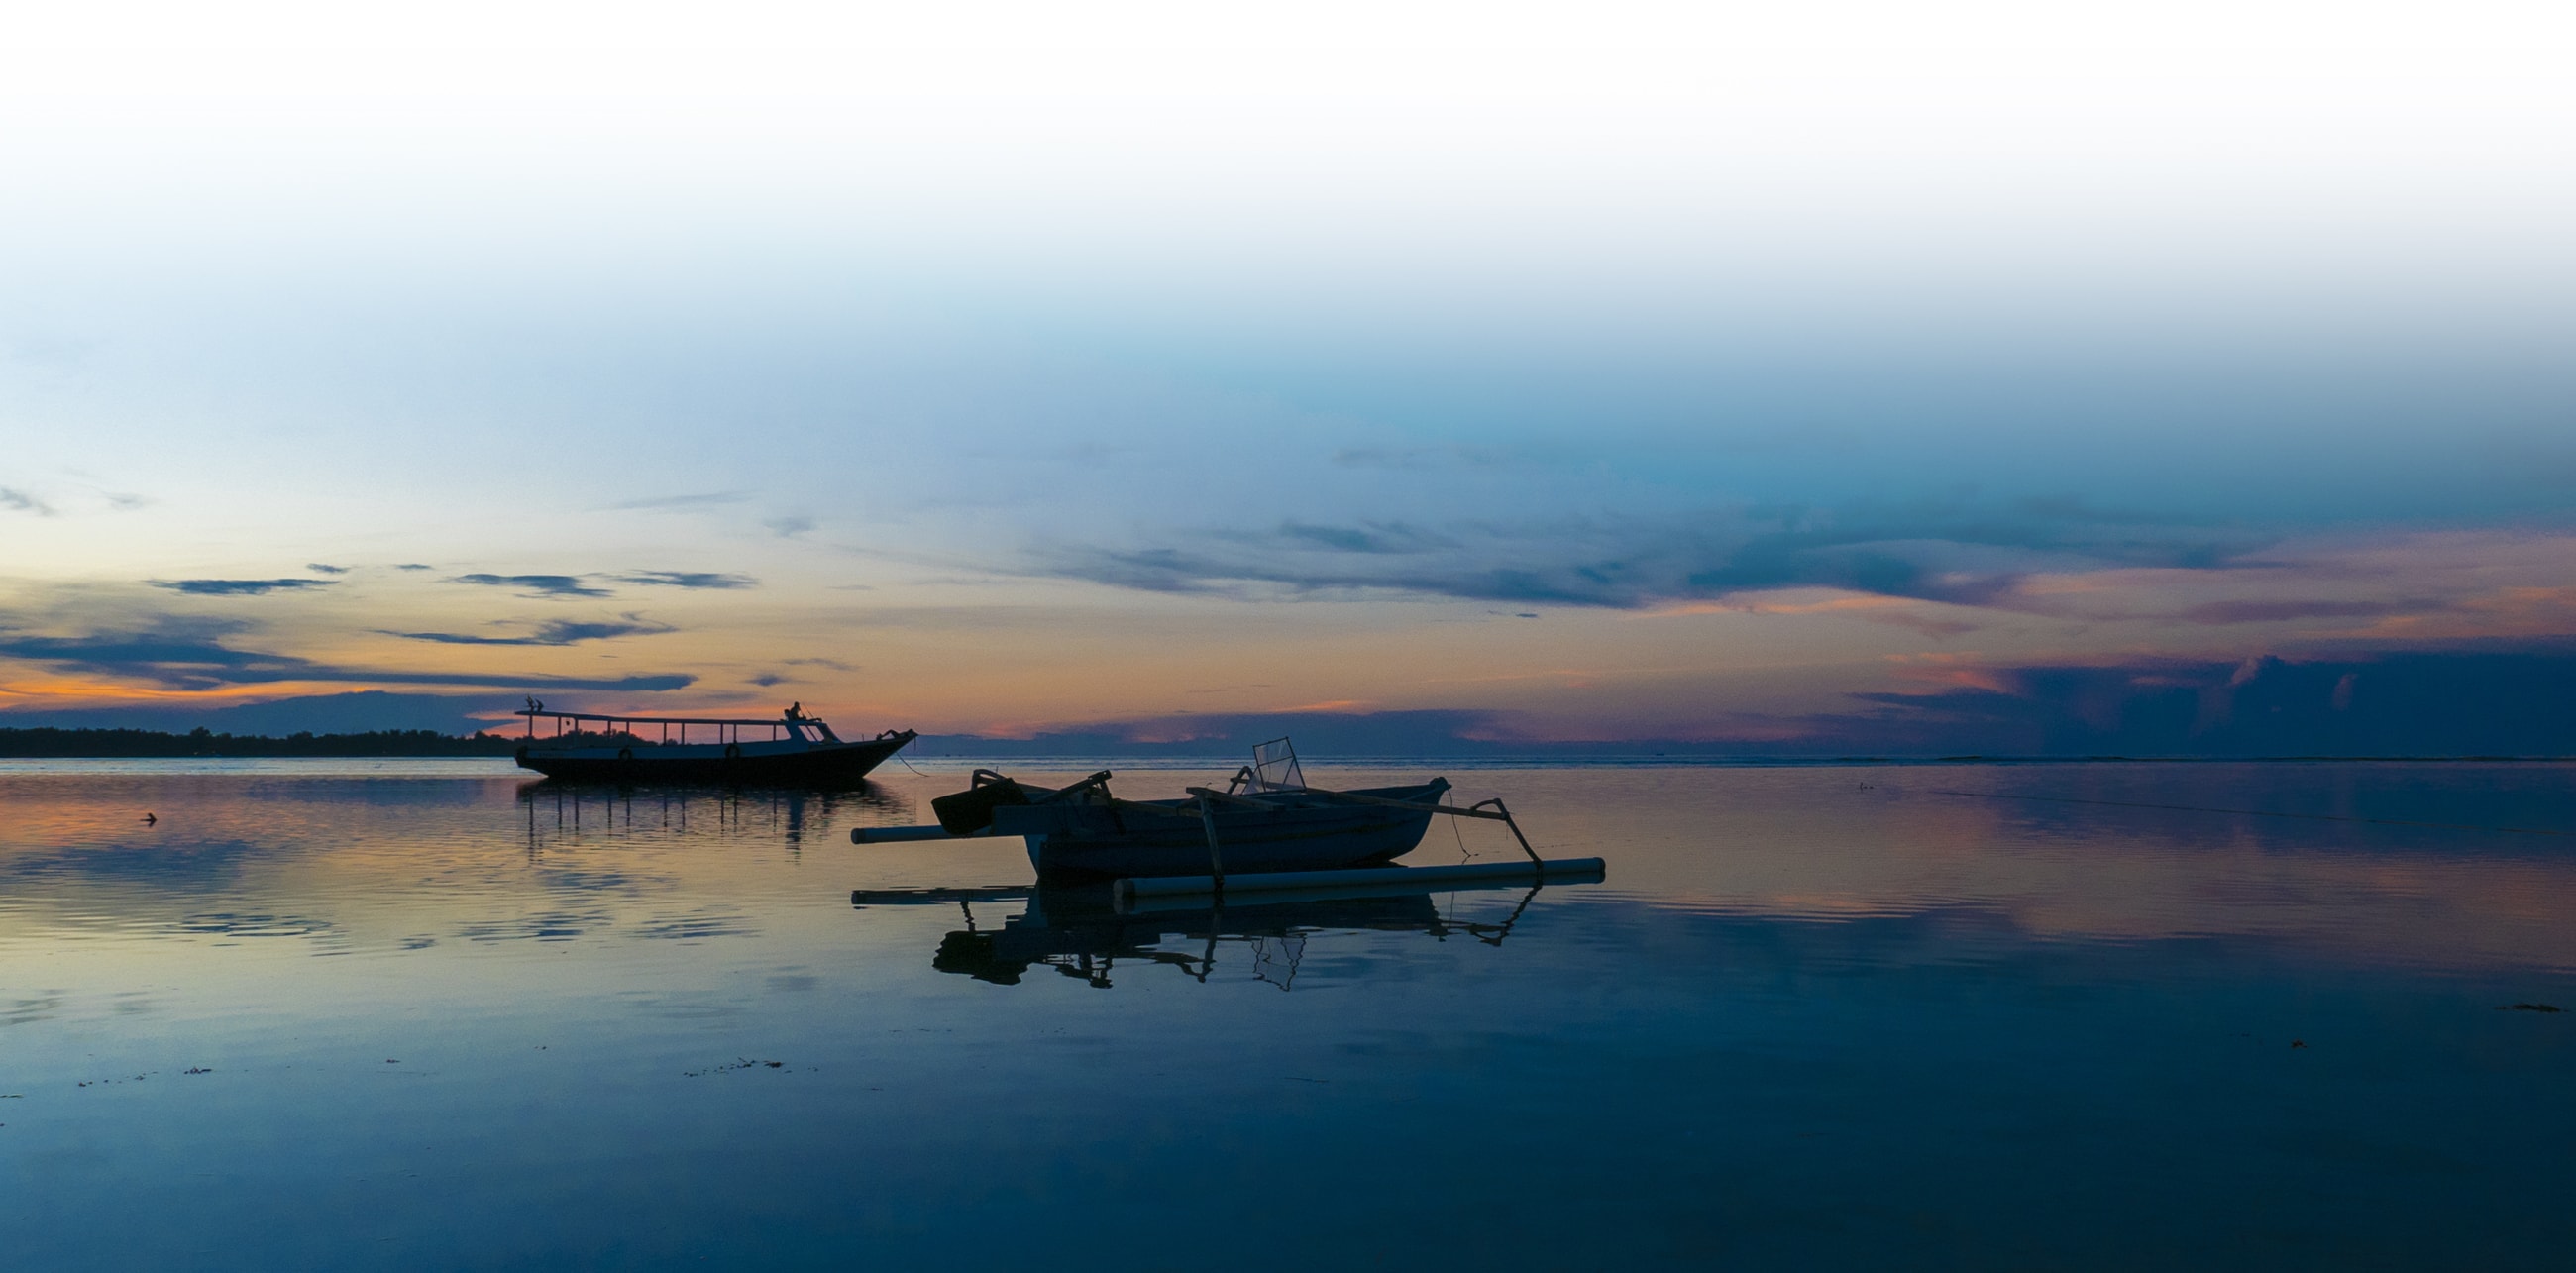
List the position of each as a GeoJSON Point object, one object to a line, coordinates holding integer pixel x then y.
{"type": "Point", "coordinates": [51, 742]}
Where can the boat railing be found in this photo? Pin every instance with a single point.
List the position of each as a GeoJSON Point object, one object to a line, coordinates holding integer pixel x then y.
{"type": "Point", "coordinates": [568, 727]}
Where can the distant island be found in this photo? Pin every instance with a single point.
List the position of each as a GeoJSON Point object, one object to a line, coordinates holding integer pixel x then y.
{"type": "Point", "coordinates": [49, 743]}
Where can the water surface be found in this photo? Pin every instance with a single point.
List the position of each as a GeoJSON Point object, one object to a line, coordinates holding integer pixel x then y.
{"type": "Point", "coordinates": [335, 1014]}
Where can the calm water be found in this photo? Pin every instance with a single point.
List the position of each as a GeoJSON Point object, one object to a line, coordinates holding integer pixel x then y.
{"type": "Point", "coordinates": [331, 1015]}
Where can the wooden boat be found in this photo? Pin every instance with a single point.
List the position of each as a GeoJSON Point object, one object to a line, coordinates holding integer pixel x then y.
{"type": "Point", "coordinates": [1084, 833]}
{"type": "Point", "coordinates": [1267, 820]}
{"type": "Point", "coordinates": [793, 749]}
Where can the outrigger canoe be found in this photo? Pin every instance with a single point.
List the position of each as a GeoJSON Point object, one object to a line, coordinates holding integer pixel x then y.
{"type": "Point", "coordinates": [1266, 820]}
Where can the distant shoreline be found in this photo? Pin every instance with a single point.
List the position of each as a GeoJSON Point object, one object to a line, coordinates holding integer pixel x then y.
{"type": "Point", "coordinates": [47, 743]}
{"type": "Point", "coordinates": [51, 743]}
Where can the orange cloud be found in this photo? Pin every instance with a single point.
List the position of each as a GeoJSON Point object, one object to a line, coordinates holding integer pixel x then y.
{"type": "Point", "coordinates": [1902, 612]}
{"type": "Point", "coordinates": [73, 692]}
{"type": "Point", "coordinates": [1952, 671]}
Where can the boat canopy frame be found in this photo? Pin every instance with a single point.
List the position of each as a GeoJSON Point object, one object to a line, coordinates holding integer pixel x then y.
{"type": "Point", "coordinates": [788, 724]}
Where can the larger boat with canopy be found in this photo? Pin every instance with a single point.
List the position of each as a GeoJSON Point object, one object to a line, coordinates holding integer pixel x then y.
{"type": "Point", "coordinates": [790, 748]}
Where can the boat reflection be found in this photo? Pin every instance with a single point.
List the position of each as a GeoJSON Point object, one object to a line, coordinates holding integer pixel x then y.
{"type": "Point", "coordinates": [1079, 932]}
{"type": "Point", "coordinates": [561, 810]}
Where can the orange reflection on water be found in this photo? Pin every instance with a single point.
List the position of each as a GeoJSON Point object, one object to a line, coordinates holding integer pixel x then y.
{"type": "Point", "coordinates": [407, 855]}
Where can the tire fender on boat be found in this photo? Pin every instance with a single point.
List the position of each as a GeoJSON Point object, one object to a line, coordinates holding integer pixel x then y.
{"type": "Point", "coordinates": [733, 751]}
{"type": "Point", "coordinates": [626, 753]}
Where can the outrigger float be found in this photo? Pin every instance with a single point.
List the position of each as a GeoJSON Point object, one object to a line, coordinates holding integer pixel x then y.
{"type": "Point", "coordinates": [793, 748]}
{"type": "Point", "coordinates": [1267, 830]}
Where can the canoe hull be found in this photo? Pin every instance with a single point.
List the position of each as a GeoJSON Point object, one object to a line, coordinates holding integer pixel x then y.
{"type": "Point", "coordinates": [1096, 842]}
{"type": "Point", "coordinates": [747, 764]}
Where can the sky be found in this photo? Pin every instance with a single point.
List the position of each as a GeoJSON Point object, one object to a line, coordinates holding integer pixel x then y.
{"type": "Point", "coordinates": [1993, 377]}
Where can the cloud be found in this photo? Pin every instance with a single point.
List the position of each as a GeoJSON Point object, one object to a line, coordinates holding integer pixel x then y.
{"type": "Point", "coordinates": [2481, 700]}
{"type": "Point", "coordinates": [541, 585]}
{"type": "Point", "coordinates": [1322, 732]}
{"type": "Point", "coordinates": [1958, 554]}
{"type": "Point", "coordinates": [1898, 612]}
{"type": "Point", "coordinates": [191, 655]}
{"type": "Point", "coordinates": [415, 565]}
{"type": "Point", "coordinates": [551, 632]}
{"type": "Point", "coordinates": [2488, 700]}
{"type": "Point", "coordinates": [1937, 629]}
{"type": "Point", "coordinates": [688, 579]}
{"type": "Point", "coordinates": [790, 526]}
{"type": "Point", "coordinates": [2226, 612]}
{"type": "Point", "coordinates": [1369, 537]}
{"type": "Point", "coordinates": [767, 679]}
{"type": "Point", "coordinates": [2077, 509]}
{"type": "Point", "coordinates": [343, 712]}
{"type": "Point", "coordinates": [321, 569]}
{"type": "Point", "coordinates": [19, 501]}
{"type": "Point", "coordinates": [558, 632]}
{"type": "Point", "coordinates": [700, 500]}
{"type": "Point", "coordinates": [175, 652]}
{"type": "Point", "coordinates": [240, 587]}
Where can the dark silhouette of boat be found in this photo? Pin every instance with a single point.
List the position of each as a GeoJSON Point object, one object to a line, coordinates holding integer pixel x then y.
{"type": "Point", "coordinates": [1083, 833]}
{"type": "Point", "coordinates": [793, 749]}
{"type": "Point", "coordinates": [1268, 820]}
{"type": "Point", "coordinates": [1079, 931]}
{"type": "Point", "coordinates": [1265, 823]}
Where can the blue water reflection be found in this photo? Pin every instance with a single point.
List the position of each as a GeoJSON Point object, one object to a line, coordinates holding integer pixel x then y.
{"type": "Point", "coordinates": [1814, 1017]}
